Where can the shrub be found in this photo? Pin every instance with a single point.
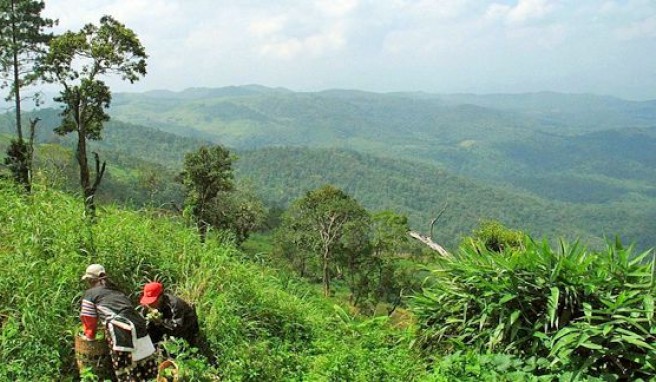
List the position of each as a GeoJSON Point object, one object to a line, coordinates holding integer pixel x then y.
{"type": "Point", "coordinates": [494, 236]}
{"type": "Point", "coordinates": [581, 310]}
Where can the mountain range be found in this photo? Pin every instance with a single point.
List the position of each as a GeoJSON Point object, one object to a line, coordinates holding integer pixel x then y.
{"type": "Point", "coordinates": [553, 164]}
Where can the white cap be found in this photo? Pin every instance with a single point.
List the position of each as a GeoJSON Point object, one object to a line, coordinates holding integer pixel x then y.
{"type": "Point", "coordinates": [94, 271]}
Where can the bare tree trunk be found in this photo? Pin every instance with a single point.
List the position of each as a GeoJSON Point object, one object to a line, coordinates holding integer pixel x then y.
{"type": "Point", "coordinates": [83, 163]}
{"type": "Point", "coordinates": [202, 230]}
{"type": "Point", "coordinates": [430, 243]}
{"type": "Point", "coordinates": [30, 153]}
{"type": "Point", "coordinates": [302, 266]}
{"type": "Point", "coordinates": [88, 189]}
{"type": "Point", "coordinates": [326, 273]}
{"type": "Point", "coordinates": [397, 302]}
{"type": "Point", "coordinates": [22, 172]}
{"type": "Point", "coordinates": [17, 100]}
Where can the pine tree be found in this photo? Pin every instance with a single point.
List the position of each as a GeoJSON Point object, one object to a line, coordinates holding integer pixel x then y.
{"type": "Point", "coordinates": [22, 42]}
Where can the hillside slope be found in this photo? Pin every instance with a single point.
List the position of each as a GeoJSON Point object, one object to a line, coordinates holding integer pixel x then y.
{"type": "Point", "coordinates": [263, 325]}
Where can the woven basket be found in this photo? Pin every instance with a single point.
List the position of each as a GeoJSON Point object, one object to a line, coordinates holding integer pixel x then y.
{"type": "Point", "coordinates": [90, 348]}
{"type": "Point", "coordinates": [167, 364]}
{"type": "Point", "coordinates": [94, 355]}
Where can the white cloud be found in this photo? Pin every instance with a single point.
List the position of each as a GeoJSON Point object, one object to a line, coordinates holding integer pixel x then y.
{"type": "Point", "coordinates": [431, 45]}
{"type": "Point", "coordinates": [436, 10]}
{"type": "Point", "coordinates": [523, 12]}
{"type": "Point", "coordinates": [317, 44]}
{"type": "Point", "coordinates": [267, 26]}
{"type": "Point", "coordinates": [337, 8]}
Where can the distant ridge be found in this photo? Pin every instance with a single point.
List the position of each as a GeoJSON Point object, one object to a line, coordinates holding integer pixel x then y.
{"type": "Point", "coordinates": [203, 92]}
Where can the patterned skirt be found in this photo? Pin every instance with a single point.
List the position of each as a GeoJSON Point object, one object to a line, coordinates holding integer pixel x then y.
{"type": "Point", "coordinates": [127, 371]}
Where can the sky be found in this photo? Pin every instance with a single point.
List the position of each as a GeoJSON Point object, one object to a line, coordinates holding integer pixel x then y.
{"type": "Point", "coordinates": [603, 47]}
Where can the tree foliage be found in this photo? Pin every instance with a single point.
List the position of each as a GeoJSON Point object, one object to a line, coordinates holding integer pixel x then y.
{"type": "Point", "coordinates": [207, 174]}
{"type": "Point", "coordinates": [23, 43]}
{"type": "Point", "coordinates": [330, 224]}
{"type": "Point", "coordinates": [391, 272]}
{"type": "Point", "coordinates": [77, 61]}
{"type": "Point", "coordinates": [239, 211]}
{"type": "Point", "coordinates": [214, 199]}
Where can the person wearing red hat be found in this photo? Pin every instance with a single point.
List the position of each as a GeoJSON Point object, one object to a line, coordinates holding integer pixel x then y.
{"type": "Point", "coordinates": [169, 315]}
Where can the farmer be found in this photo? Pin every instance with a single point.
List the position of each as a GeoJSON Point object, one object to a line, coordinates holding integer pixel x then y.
{"type": "Point", "coordinates": [169, 315]}
{"type": "Point", "coordinates": [132, 351]}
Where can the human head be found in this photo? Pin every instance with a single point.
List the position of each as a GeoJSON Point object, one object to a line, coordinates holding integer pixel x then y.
{"type": "Point", "coordinates": [94, 273]}
{"type": "Point", "coordinates": [152, 293]}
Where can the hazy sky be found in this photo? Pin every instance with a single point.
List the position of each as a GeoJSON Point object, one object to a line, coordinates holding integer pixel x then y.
{"type": "Point", "coordinates": [438, 46]}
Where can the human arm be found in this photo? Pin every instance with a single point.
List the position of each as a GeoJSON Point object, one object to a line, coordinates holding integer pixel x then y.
{"type": "Point", "coordinates": [89, 318]}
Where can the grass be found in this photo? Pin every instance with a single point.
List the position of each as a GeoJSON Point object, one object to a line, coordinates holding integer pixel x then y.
{"type": "Point", "coordinates": [261, 324]}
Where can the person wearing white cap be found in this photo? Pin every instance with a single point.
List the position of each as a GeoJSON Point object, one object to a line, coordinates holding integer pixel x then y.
{"type": "Point", "coordinates": [132, 351]}
{"type": "Point", "coordinates": [94, 271]}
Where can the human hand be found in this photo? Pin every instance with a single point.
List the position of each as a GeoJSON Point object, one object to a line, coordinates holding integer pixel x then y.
{"type": "Point", "coordinates": [154, 316]}
{"type": "Point", "coordinates": [84, 337]}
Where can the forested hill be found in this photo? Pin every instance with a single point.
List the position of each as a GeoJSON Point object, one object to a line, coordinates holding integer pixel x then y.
{"type": "Point", "coordinates": [568, 147]}
{"type": "Point", "coordinates": [624, 205]}
{"type": "Point", "coordinates": [421, 191]}
{"type": "Point", "coordinates": [562, 113]}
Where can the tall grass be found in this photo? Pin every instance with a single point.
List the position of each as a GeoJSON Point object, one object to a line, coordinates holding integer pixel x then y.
{"type": "Point", "coordinates": [262, 325]}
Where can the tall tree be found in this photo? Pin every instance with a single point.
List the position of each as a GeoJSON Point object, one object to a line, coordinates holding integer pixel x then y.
{"type": "Point", "coordinates": [77, 61]}
{"type": "Point", "coordinates": [23, 41]}
{"type": "Point", "coordinates": [207, 173]}
{"type": "Point", "coordinates": [328, 220]}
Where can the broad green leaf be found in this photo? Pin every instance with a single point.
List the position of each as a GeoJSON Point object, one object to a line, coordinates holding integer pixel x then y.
{"type": "Point", "coordinates": [552, 305]}
{"type": "Point", "coordinates": [648, 305]}
{"type": "Point", "coordinates": [638, 342]}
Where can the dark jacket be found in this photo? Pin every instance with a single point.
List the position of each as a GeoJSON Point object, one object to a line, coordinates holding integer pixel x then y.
{"type": "Point", "coordinates": [178, 320]}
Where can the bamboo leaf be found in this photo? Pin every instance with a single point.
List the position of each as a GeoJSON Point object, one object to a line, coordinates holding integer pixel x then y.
{"type": "Point", "coordinates": [648, 305]}
{"type": "Point", "coordinates": [638, 342]}
{"type": "Point", "coordinates": [591, 345]}
{"type": "Point", "coordinates": [552, 305]}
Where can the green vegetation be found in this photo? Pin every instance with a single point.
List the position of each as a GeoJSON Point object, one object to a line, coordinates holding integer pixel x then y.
{"type": "Point", "coordinates": [572, 209]}
{"type": "Point", "coordinates": [420, 191]}
{"type": "Point", "coordinates": [593, 154]}
{"type": "Point", "coordinates": [213, 198]}
{"type": "Point", "coordinates": [493, 236]}
{"type": "Point", "coordinates": [263, 325]}
{"type": "Point", "coordinates": [574, 148]}
{"type": "Point", "coordinates": [524, 314]}
{"type": "Point", "coordinates": [569, 309]}
{"type": "Point", "coordinates": [332, 226]}
{"type": "Point", "coordinates": [500, 307]}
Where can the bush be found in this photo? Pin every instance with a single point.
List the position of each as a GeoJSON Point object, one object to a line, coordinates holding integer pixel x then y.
{"type": "Point", "coordinates": [493, 236]}
{"type": "Point", "coordinates": [581, 310]}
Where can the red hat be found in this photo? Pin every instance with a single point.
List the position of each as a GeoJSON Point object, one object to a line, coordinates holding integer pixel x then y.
{"type": "Point", "coordinates": [151, 292]}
